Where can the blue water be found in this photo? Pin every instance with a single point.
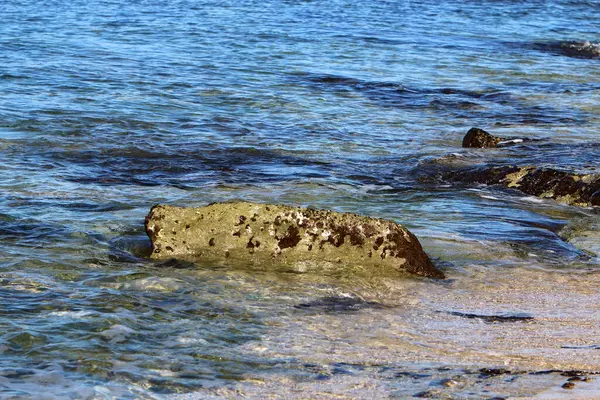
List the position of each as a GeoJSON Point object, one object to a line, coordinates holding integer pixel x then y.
{"type": "Point", "coordinates": [108, 108]}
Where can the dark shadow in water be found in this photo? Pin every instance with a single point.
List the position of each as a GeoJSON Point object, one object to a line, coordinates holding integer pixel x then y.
{"type": "Point", "coordinates": [17, 302]}
{"type": "Point", "coordinates": [335, 304]}
{"type": "Point", "coordinates": [30, 232]}
{"type": "Point", "coordinates": [487, 104]}
{"type": "Point", "coordinates": [188, 166]}
{"type": "Point", "coordinates": [130, 249]}
{"type": "Point", "coordinates": [517, 317]}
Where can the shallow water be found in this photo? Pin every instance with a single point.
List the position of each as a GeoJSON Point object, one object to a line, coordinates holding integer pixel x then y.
{"type": "Point", "coordinates": [109, 108]}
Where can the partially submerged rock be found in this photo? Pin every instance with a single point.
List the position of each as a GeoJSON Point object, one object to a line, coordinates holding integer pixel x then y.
{"type": "Point", "coordinates": [277, 236]}
{"type": "Point", "coordinates": [478, 138]}
{"type": "Point", "coordinates": [577, 49]}
{"type": "Point", "coordinates": [565, 187]}
{"type": "Point", "coordinates": [584, 233]}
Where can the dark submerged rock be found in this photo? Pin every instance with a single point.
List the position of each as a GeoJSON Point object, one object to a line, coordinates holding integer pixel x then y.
{"type": "Point", "coordinates": [584, 49]}
{"type": "Point", "coordinates": [518, 317]}
{"type": "Point", "coordinates": [486, 372]}
{"type": "Point", "coordinates": [287, 238]}
{"type": "Point", "coordinates": [339, 304]}
{"type": "Point", "coordinates": [565, 187]}
{"type": "Point", "coordinates": [575, 49]}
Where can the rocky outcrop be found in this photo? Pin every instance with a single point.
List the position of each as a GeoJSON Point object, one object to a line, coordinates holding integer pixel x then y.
{"type": "Point", "coordinates": [576, 189]}
{"type": "Point", "coordinates": [480, 139]}
{"type": "Point", "coordinates": [284, 237]}
{"type": "Point", "coordinates": [584, 49]}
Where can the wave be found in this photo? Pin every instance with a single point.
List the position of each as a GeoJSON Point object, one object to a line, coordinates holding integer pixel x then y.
{"type": "Point", "coordinates": [487, 103]}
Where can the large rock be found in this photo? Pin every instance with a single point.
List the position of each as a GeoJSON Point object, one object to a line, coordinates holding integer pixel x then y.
{"type": "Point", "coordinates": [276, 236]}
{"type": "Point", "coordinates": [565, 187]}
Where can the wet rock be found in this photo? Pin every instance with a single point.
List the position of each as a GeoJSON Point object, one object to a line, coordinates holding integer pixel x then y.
{"type": "Point", "coordinates": [568, 385]}
{"type": "Point", "coordinates": [584, 233]}
{"type": "Point", "coordinates": [548, 183]}
{"type": "Point", "coordinates": [449, 382]}
{"type": "Point", "coordinates": [518, 317]}
{"type": "Point", "coordinates": [576, 49]}
{"type": "Point", "coordinates": [595, 198]}
{"type": "Point", "coordinates": [573, 373]}
{"type": "Point", "coordinates": [579, 379]}
{"type": "Point", "coordinates": [286, 238]}
{"type": "Point", "coordinates": [432, 394]}
{"type": "Point", "coordinates": [494, 371]}
{"type": "Point", "coordinates": [478, 138]}
{"type": "Point", "coordinates": [413, 375]}
{"type": "Point", "coordinates": [584, 49]}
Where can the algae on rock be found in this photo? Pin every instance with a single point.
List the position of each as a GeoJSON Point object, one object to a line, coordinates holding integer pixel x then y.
{"type": "Point", "coordinates": [564, 187]}
{"type": "Point", "coordinates": [287, 238]}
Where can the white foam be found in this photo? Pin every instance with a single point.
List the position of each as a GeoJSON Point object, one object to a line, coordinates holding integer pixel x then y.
{"type": "Point", "coordinates": [587, 47]}
{"type": "Point", "coordinates": [54, 386]}
{"type": "Point", "coordinates": [156, 284]}
{"type": "Point", "coordinates": [189, 340]}
{"type": "Point", "coordinates": [511, 141]}
{"type": "Point", "coordinates": [370, 187]}
{"type": "Point", "coordinates": [117, 333]}
{"type": "Point", "coordinates": [70, 314]}
{"type": "Point", "coordinates": [487, 196]}
{"type": "Point", "coordinates": [533, 199]}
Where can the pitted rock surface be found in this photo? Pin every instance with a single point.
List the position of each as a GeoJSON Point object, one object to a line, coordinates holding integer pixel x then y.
{"type": "Point", "coordinates": [565, 187]}
{"type": "Point", "coordinates": [282, 236]}
{"type": "Point", "coordinates": [478, 138]}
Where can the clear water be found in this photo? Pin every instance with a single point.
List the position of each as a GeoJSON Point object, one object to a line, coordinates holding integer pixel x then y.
{"type": "Point", "coordinates": [109, 107]}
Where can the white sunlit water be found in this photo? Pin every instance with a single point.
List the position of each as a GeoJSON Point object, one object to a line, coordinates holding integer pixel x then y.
{"type": "Point", "coordinates": [109, 107]}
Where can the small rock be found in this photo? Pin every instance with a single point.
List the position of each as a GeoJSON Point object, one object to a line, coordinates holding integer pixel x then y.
{"type": "Point", "coordinates": [568, 385]}
{"type": "Point", "coordinates": [449, 383]}
{"type": "Point", "coordinates": [478, 138]}
{"type": "Point", "coordinates": [494, 371]}
{"type": "Point", "coordinates": [427, 394]}
{"type": "Point", "coordinates": [580, 379]}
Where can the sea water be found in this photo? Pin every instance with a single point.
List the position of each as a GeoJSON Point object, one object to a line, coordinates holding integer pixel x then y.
{"type": "Point", "coordinates": [109, 107]}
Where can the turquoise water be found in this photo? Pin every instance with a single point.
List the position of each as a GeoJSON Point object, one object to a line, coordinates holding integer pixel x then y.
{"type": "Point", "coordinates": [110, 107]}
